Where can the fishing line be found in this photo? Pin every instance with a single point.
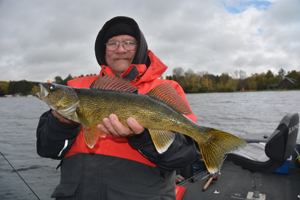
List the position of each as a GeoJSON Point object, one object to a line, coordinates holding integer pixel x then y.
{"type": "Point", "coordinates": [19, 176]}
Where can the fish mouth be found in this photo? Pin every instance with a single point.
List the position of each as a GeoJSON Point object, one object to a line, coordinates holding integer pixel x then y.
{"type": "Point", "coordinates": [42, 94]}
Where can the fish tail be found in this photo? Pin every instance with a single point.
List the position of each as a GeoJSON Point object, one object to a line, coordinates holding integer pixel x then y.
{"type": "Point", "coordinates": [216, 146]}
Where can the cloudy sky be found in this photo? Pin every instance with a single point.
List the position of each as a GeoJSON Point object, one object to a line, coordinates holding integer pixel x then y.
{"type": "Point", "coordinates": [43, 39]}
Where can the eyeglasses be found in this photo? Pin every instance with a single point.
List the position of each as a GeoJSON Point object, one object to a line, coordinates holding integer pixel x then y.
{"type": "Point", "coordinates": [127, 45]}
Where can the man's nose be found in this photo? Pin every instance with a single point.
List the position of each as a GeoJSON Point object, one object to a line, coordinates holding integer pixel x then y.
{"type": "Point", "coordinates": [121, 49]}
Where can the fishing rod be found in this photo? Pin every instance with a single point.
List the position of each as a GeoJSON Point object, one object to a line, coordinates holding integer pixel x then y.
{"type": "Point", "coordinates": [19, 175]}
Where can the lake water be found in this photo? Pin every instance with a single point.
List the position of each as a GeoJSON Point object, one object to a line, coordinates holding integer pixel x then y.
{"type": "Point", "coordinates": [245, 114]}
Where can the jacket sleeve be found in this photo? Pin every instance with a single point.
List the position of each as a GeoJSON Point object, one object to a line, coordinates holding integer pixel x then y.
{"type": "Point", "coordinates": [182, 151]}
{"type": "Point", "coordinates": [53, 137]}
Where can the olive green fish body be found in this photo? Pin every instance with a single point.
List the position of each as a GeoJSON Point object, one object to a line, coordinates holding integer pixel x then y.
{"type": "Point", "coordinates": [161, 111]}
{"type": "Point", "coordinates": [150, 113]}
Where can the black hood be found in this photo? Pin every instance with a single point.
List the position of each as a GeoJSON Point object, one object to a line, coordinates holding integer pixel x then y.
{"type": "Point", "coordinates": [141, 55]}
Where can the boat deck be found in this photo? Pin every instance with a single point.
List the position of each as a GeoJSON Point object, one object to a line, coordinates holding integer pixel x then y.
{"type": "Point", "coordinates": [235, 182]}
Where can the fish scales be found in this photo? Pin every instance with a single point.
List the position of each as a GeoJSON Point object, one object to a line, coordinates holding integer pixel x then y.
{"type": "Point", "coordinates": [98, 104]}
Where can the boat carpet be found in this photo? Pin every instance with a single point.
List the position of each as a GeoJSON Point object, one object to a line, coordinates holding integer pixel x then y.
{"type": "Point", "coordinates": [235, 182]}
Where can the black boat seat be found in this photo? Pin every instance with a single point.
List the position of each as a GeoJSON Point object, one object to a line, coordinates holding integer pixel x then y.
{"type": "Point", "coordinates": [266, 158]}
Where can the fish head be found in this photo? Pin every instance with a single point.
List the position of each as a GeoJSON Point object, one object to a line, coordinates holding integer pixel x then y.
{"type": "Point", "coordinates": [60, 98]}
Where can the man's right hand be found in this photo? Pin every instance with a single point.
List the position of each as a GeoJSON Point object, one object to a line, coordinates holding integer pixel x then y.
{"type": "Point", "coordinates": [113, 126]}
{"type": "Point", "coordinates": [63, 119]}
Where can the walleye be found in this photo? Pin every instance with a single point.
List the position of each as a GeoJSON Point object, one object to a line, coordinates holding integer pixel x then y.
{"type": "Point", "coordinates": [161, 111]}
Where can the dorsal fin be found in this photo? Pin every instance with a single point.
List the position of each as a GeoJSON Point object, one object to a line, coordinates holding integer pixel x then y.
{"type": "Point", "coordinates": [113, 83]}
{"type": "Point", "coordinates": [166, 93]}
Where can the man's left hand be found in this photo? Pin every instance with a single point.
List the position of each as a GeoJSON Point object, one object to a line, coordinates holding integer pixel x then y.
{"type": "Point", "coordinates": [113, 126]}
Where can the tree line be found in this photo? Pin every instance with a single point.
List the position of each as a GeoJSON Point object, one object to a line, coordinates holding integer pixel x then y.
{"type": "Point", "coordinates": [22, 87]}
{"type": "Point", "coordinates": [190, 82]}
{"type": "Point", "coordinates": [237, 81]}
{"type": "Point", "coordinates": [25, 87]}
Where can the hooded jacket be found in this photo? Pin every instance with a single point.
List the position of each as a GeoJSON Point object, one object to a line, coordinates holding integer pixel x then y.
{"type": "Point", "coordinates": [140, 57]}
{"type": "Point", "coordinates": [116, 168]}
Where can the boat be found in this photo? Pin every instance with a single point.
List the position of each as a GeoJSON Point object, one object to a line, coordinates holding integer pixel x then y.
{"type": "Point", "coordinates": [192, 182]}
{"type": "Point", "coordinates": [250, 173]}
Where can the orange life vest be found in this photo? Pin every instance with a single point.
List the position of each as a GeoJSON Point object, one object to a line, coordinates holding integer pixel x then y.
{"type": "Point", "coordinates": [146, 79]}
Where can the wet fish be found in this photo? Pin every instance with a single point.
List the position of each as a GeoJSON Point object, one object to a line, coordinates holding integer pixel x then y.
{"type": "Point", "coordinates": [161, 111]}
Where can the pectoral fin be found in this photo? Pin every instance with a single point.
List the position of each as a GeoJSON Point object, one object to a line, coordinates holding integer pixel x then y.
{"type": "Point", "coordinates": [91, 135]}
{"type": "Point", "coordinates": [102, 134]}
{"type": "Point", "coordinates": [162, 139]}
{"type": "Point", "coordinates": [82, 119]}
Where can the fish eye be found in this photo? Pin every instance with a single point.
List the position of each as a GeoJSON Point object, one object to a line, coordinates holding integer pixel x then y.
{"type": "Point", "coordinates": [51, 88]}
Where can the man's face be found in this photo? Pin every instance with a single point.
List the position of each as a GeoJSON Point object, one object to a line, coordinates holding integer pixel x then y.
{"type": "Point", "coordinates": [120, 59]}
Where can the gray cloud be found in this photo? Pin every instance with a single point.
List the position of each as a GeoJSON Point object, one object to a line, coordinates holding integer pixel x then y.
{"type": "Point", "coordinates": [40, 40]}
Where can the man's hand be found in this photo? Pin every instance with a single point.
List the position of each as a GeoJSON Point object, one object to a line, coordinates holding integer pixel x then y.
{"type": "Point", "coordinates": [113, 126]}
{"type": "Point", "coordinates": [63, 119]}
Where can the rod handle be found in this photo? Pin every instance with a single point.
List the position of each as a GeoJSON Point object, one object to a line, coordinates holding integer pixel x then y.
{"type": "Point", "coordinates": [207, 183]}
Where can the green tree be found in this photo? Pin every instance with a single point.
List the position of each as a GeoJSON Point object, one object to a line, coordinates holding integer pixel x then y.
{"type": "Point", "coordinates": [269, 74]}
{"type": "Point", "coordinates": [281, 72]}
{"type": "Point", "coordinates": [3, 88]}
{"type": "Point", "coordinates": [68, 78]}
{"type": "Point", "coordinates": [220, 87]}
{"type": "Point", "coordinates": [231, 85]}
{"type": "Point", "coordinates": [178, 73]}
{"type": "Point", "coordinates": [252, 82]}
{"type": "Point", "coordinates": [204, 81]}
{"type": "Point", "coordinates": [194, 83]}
{"type": "Point", "coordinates": [270, 78]}
{"type": "Point", "coordinates": [169, 77]}
{"type": "Point", "coordinates": [61, 81]}
{"type": "Point", "coordinates": [24, 87]}
{"type": "Point", "coordinates": [293, 74]}
{"type": "Point", "coordinates": [58, 80]}
{"type": "Point", "coordinates": [262, 82]}
{"type": "Point", "coordinates": [224, 78]}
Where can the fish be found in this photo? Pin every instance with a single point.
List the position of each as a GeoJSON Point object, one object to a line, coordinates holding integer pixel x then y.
{"type": "Point", "coordinates": [162, 111]}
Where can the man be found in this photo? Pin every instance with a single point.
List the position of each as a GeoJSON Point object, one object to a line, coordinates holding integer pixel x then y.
{"type": "Point", "coordinates": [124, 164]}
